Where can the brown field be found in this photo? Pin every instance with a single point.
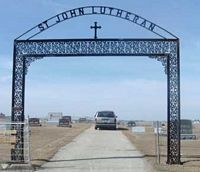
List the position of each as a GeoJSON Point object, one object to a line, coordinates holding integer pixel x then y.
{"type": "Point", "coordinates": [190, 150]}
{"type": "Point", "coordinates": [47, 140]}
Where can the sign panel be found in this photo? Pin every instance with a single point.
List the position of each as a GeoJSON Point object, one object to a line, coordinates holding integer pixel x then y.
{"type": "Point", "coordinates": [138, 129]}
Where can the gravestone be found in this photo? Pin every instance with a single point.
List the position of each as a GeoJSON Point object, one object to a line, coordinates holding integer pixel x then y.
{"type": "Point", "coordinates": [131, 124]}
{"type": "Point", "coordinates": [82, 120]}
{"type": "Point", "coordinates": [186, 129]}
{"type": "Point", "coordinates": [186, 126]}
{"type": "Point", "coordinates": [64, 122]}
{"type": "Point", "coordinates": [138, 129]}
{"type": "Point", "coordinates": [53, 118]}
{"type": "Point", "coordinates": [68, 118]}
{"type": "Point", "coordinates": [34, 122]}
{"type": "Point", "coordinates": [2, 116]}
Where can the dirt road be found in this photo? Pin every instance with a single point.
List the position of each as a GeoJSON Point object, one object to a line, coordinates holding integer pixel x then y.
{"type": "Point", "coordinates": [98, 151]}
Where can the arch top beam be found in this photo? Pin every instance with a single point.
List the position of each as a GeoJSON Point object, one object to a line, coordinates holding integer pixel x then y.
{"type": "Point", "coordinates": [97, 10]}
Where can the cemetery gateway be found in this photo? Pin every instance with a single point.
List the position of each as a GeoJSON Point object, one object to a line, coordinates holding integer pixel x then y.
{"type": "Point", "coordinates": [164, 49]}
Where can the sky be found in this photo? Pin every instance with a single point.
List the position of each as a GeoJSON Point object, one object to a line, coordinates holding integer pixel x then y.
{"type": "Point", "coordinates": [134, 87]}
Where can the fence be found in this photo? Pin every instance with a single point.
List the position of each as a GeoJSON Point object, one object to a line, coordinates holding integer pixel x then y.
{"type": "Point", "coordinates": [152, 142]}
{"type": "Point", "coordinates": [8, 140]}
{"type": "Point", "coordinates": [160, 145]}
{"type": "Point", "coordinates": [190, 147]}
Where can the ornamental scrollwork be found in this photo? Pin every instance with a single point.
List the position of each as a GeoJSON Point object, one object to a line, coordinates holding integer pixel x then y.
{"type": "Point", "coordinates": [163, 50]}
{"type": "Point", "coordinates": [99, 47]}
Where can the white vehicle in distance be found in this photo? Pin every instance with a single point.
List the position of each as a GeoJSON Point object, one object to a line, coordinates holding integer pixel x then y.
{"type": "Point", "coordinates": [105, 119]}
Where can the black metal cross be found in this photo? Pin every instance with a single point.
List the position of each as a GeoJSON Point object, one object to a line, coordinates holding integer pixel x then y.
{"type": "Point", "coordinates": [95, 27]}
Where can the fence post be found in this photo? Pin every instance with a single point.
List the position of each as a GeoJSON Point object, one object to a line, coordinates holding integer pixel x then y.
{"type": "Point", "coordinates": [158, 142]}
{"type": "Point", "coordinates": [29, 144]}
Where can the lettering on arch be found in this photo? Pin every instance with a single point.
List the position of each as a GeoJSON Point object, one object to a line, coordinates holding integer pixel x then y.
{"type": "Point", "coordinates": [97, 10]}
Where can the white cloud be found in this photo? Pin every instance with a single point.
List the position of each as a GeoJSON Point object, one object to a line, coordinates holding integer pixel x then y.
{"type": "Point", "coordinates": [138, 99]}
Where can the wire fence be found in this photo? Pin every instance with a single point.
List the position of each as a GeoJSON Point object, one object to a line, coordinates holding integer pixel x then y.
{"type": "Point", "coordinates": [151, 139]}
{"type": "Point", "coordinates": [190, 146]}
{"type": "Point", "coordinates": [8, 139]}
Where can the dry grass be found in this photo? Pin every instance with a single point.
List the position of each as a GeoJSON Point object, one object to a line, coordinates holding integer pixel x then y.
{"type": "Point", "coordinates": [144, 142]}
{"type": "Point", "coordinates": [190, 150]}
{"type": "Point", "coordinates": [47, 140]}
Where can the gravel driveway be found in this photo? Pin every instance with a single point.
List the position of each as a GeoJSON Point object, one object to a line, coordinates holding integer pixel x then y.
{"type": "Point", "coordinates": [98, 151]}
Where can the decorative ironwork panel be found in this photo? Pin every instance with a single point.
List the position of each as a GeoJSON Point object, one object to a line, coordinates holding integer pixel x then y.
{"type": "Point", "coordinates": [17, 153]}
{"type": "Point", "coordinates": [164, 50]}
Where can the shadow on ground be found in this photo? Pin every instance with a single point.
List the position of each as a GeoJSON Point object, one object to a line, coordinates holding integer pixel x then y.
{"type": "Point", "coordinates": [82, 159]}
{"type": "Point", "coordinates": [195, 158]}
{"type": "Point", "coordinates": [122, 128]}
{"type": "Point", "coordinates": [89, 159]}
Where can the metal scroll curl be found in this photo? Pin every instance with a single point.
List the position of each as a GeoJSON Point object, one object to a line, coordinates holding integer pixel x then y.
{"type": "Point", "coordinates": [28, 61]}
{"type": "Point", "coordinates": [163, 60]}
{"type": "Point", "coordinates": [164, 50]}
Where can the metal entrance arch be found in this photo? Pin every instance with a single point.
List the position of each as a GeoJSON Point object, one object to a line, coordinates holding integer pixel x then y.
{"type": "Point", "coordinates": [164, 50]}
